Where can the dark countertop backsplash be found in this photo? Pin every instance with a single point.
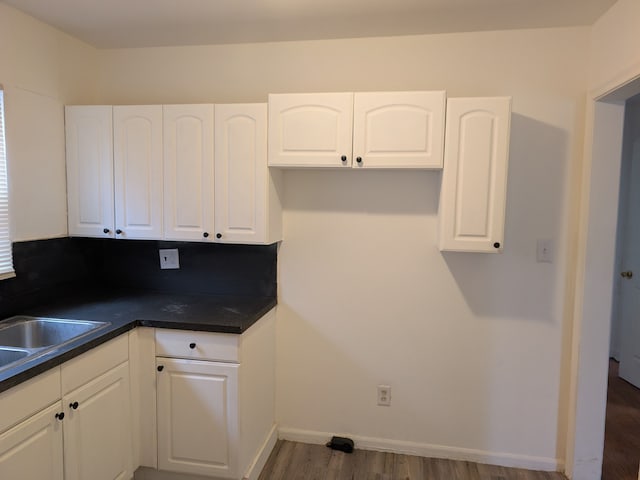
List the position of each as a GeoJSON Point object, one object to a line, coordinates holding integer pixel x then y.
{"type": "Point", "coordinates": [47, 270]}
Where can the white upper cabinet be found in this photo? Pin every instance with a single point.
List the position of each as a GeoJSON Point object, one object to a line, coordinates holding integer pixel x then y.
{"type": "Point", "coordinates": [310, 129]}
{"type": "Point", "coordinates": [89, 142]}
{"type": "Point", "coordinates": [138, 148]}
{"type": "Point", "coordinates": [361, 130]}
{"type": "Point", "coordinates": [247, 204]}
{"type": "Point", "coordinates": [474, 179]}
{"type": "Point", "coordinates": [398, 129]}
{"type": "Point", "coordinates": [188, 172]}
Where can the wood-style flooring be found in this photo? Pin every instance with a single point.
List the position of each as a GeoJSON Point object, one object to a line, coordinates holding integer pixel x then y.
{"type": "Point", "coordinates": [622, 429]}
{"type": "Point", "coordinates": [299, 461]}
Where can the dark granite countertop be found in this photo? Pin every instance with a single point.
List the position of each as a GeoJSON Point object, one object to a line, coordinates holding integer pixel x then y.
{"type": "Point", "coordinates": [127, 310]}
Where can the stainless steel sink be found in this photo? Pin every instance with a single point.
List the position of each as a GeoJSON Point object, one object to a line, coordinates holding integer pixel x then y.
{"type": "Point", "coordinates": [29, 332]}
{"type": "Point", "coordinates": [23, 338]}
{"type": "Point", "coordinates": [8, 355]}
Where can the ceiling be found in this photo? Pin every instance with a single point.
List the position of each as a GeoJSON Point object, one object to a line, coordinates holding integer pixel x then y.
{"type": "Point", "coordinates": [144, 23]}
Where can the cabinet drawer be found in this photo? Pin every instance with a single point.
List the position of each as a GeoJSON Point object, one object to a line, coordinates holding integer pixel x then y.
{"type": "Point", "coordinates": [221, 347]}
{"type": "Point", "coordinates": [93, 363]}
{"type": "Point", "coordinates": [29, 397]}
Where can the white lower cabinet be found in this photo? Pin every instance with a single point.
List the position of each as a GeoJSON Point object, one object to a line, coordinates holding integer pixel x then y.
{"type": "Point", "coordinates": [97, 428]}
{"type": "Point", "coordinates": [215, 397]}
{"type": "Point", "coordinates": [32, 450]}
{"type": "Point", "coordinates": [72, 422]}
{"type": "Point", "coordinates": [198, 417]}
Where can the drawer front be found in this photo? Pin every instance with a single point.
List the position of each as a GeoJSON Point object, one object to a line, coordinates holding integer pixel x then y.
{"type": "Point", "coordinates": [94, 363]}
{"type": "Point", "coordinates": [28, 398]}
{"type": "Point", "coordinates": [220, 347]}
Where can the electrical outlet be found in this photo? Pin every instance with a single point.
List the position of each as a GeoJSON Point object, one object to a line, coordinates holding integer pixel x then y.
{"type": "Point", "coordinates": [169, 258]}
{"type": "Point", "coordinates": [384, 395]}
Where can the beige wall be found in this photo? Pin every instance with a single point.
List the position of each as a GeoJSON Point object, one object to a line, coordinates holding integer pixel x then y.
{"type": "Point", "coordinates": [615, 52]}
{"type": "Point", "coordinates": [41, 69]}
{"type": "Point", "coordinates": [614, 63]}
{"type": "Point", "coordinates": [473, 345]}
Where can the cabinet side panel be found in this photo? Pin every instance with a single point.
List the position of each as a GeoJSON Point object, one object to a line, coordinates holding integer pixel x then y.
{"type": "Point", "coordinates": [257, 386]}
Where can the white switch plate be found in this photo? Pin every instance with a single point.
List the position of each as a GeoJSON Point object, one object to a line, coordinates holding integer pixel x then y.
{"type": "Point", "coordinates": [544, 251]}
{"type": "Point", "coordinates": [169, 258]}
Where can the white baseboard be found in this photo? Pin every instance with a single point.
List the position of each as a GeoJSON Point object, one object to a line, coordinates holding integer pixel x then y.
{"type": "Point", "coordinates": [253, 472]}
{"type": "Point", "coordinates": [427, 450]}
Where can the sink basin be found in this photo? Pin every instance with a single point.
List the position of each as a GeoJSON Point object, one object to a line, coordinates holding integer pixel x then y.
{"type": "Point", "coordinates": [37, 333]}
{"type": "Point", "coordinates": [8, 356]}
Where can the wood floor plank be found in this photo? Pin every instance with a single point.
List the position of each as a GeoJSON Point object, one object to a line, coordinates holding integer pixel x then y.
{"type": "Point", "coordinates": [297, 461]}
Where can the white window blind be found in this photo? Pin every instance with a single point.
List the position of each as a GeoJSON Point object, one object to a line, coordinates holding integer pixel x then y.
{"type": "Point", "coordinates": [6, 257]}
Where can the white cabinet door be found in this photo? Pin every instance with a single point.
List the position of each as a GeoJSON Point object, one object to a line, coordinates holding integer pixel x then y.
{"type": "Point", "coordinates": [89, 143]}
{"type": "Point", "coordinates": [474, 180]}
{"type": "Point", "coordinates": [197, 417]}
{"type": "Point", "coordinates": [241, 184]}
{"type": "Point", "coordinates": [188, 172]}
{"type": "Point", "coordinates": [398, 129]}
{"type": "Point", "coordinates": [310, 129]}
{"type": "Point", "coordinates": [97, 429]}
{"type": "Point", "coordinates": [137, 139]}
{"type": "Point", "coordinates": [32, 450]}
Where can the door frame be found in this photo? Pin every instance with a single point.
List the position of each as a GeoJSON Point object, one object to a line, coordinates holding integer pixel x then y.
{"type": "Point", "coordinates": [594, 275]}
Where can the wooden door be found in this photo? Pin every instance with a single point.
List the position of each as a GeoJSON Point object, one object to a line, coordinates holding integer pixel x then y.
{"type": "Point", "coordinates": [197, 417]}
{"type": "Point", "coordinates": [137, 139]}
{"type": "Point", "coordinates": [89, 145]}
{"type": "Point", "coordinates": [241, 173]}
{"type": "Point", "coordinates": [474, 179]}
{"type": "Point", "coordinates": [310, 129]}
{"type": "Point", "coordinates": [398, 129]}
{"type": "Point", "coordinates": [97, 428]}
{"type": "Point", "coordinates": [188, 172]}
{"type": "Point", "coordinates": [32, 450]}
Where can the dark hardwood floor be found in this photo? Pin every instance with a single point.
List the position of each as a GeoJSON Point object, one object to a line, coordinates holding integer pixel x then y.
{"type": "Point", "coordinates": [299, 461]}
{"type": "Point", "coordinates": [622, 429]}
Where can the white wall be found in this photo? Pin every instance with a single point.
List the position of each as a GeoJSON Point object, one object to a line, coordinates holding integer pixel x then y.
{"type": "Point", "coordinates": [474, 346]}
{"type": "Point", "coordinates": [615, 51]}
{"type": "Point", "coordinates": [41, 69]}
{"type": "Point", "coordinates": [614, 65]}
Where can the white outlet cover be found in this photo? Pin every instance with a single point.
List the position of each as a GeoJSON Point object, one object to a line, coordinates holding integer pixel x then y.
{"type": "Point", "coordinates": [169, 258]}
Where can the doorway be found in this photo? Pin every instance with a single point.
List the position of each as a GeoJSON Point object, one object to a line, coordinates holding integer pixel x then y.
{"type": "Point", "coordinates": [622, 443]}
{"type": "Point", "coordinates": [597, 271]}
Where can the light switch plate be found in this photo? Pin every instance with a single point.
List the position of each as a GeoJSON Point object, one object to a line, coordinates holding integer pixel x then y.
{"type": "Point", "coordinates": [169, 258]}
{"type": "Point", "coordinates": [544, 251]}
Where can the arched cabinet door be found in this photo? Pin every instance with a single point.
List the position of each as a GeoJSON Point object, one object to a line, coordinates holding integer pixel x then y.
{"type": "Point", "coordinates": [89, 147]}
{"type": "Point", "coordinates": [243, 187]}
{"type": "Point", "coordinates": [188, 172]}
{"type": "Point", "coordinates": [310, 129]}
{"type": "Point", "coordinates": [474, 179]}
{"type": "Point", "coordinates": [398, 129]}
{"type": "Point", "coordinates": [137, 140]}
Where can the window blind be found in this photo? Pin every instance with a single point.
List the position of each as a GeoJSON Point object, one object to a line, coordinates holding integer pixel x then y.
{"type": "Point", "coordinates": [6, 257]}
